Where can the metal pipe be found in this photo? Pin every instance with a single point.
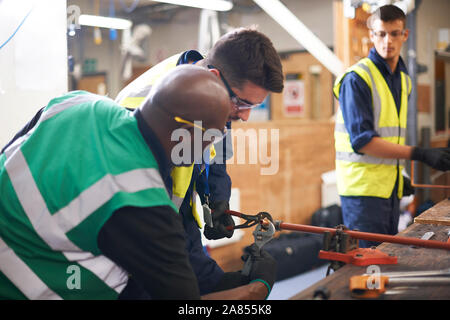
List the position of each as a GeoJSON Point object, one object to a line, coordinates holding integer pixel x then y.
{"type": "Point", "coordinates": [412, 126]}
{"type": "Point", "coordinates": [279, 225]}
{"type": "Point", "coordinates": [289, 22]}
{"type": "Point", "coordinates": [419, 281]}
{"type": "Point", "coordinates": [412, 70]}
{"type": "Point", "coordinates": [368, 236]}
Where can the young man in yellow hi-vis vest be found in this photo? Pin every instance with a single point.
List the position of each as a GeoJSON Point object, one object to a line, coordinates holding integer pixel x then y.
{"type": "Point", "coordinates": [371, 129]}
{"type": "Point", "coordinates": [249, 66]}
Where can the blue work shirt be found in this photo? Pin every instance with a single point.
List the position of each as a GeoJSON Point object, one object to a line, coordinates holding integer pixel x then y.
{"type": "Point", "coordinates": [355, 100]}
{"type": "Point", "coordinates": [208, 272]}
{"type": "Point", "coordinates": [219, 184]}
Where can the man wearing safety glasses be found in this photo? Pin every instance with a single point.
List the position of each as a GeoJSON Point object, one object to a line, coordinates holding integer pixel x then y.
{"type": "Point", "coordinates": [370, 130]}
{"type": "Point", "coordinates": [250, 68]}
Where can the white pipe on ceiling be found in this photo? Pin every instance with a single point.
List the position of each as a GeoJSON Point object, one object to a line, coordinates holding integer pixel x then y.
{"type": "Point", "coordinates": [302, 34]}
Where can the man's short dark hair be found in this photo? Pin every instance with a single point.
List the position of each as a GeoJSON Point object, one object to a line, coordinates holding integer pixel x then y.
{"type": "Point", "coordinates": [387, 13]}
{"type": "Point", "coordinates": [244, 55]}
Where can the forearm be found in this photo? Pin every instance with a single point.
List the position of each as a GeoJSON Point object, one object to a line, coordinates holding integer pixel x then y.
{"type": "Point", "coordinates": [149, 244]}
{"type": "Point", "coordinates": [219, 183]}
{"type": "Point", "coordinates": [252, 291]}
{"type": "Point", "coordinates": [377, 147]}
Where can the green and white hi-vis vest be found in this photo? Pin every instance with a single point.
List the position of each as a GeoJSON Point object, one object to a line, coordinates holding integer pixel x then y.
{"type": "Point", "coordinates": [361, 174]}
{"type": "Point", "coordinates": [59, 184]}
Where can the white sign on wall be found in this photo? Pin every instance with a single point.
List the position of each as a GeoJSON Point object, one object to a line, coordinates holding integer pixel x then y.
{"type": "Point", "coordinates": [294, 98]}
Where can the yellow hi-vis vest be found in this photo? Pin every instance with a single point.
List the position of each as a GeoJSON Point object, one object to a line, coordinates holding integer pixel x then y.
{"type": "Point", "coordinates": [361, 174]}
{"type": "Point", "coordinates": [132, 96]}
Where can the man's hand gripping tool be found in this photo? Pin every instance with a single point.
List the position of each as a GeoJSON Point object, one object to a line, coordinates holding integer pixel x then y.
{"type": "Point", "coordinates": [263, 232]}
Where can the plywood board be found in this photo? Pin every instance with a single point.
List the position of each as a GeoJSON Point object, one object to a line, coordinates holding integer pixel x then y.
{"type": "Point", "coordinates": [423, 98]}
{"type": "Point", "coordinates": [351, 41]}
{"type": "Point", "coordinates": [439, 214]}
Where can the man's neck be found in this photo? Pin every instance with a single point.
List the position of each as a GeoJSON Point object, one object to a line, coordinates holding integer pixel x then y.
{"type": "Point", "coordinates": [393, 63]}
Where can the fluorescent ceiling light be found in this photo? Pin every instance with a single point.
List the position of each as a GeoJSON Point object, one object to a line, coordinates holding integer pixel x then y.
{"type": "Point", "coordinates": [104, 22]}
{"type": "Point", "coordinates": [217, 5]}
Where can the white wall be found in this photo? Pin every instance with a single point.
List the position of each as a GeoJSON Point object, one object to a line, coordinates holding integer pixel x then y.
{"type": "Point", "coordinates": [33, 64]}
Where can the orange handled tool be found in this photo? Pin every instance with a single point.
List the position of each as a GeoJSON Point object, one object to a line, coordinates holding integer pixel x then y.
{"type": "Point", "coordinates": [374, 285]}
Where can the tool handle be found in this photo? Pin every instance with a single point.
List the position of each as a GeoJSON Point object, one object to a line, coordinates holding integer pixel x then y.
{"type": "Point", "coordinates": [234, 213]}
{"type": "Point", "coordinates": [368, 286]}
{"type": "Point", "coordinates": [249, 263]}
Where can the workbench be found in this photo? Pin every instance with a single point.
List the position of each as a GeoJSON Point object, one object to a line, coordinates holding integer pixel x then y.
{"type": "Point", "coordinates": [409, 259]}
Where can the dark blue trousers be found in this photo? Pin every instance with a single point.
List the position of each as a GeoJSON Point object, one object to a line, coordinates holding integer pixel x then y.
{"type": "Point", "coordinates": [371, 214]}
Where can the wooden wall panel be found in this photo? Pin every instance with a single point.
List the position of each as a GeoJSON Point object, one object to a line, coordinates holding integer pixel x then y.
{"type": "Point", "coordinates": [423, 98]}
{"type": "Point", "coordinates": [306, 150]}
{"type": "Point", "coordinates": [301, 62]}
{"type": "Point", "coordinates": [351, 36]}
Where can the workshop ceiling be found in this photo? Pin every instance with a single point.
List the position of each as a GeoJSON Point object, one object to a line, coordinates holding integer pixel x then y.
{"type": "Point", "coordinates": [152, 12]}
{"type": "Point", "coordinates": [147, 11]}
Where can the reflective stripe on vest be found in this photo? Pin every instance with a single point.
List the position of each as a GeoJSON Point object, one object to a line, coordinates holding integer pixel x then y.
{"type": "Point", "coordinates": [22, 276]}
{"type": "Point", "coordinates": [50, 231]}
{"type": "Point", "coordinates": [365, 175]}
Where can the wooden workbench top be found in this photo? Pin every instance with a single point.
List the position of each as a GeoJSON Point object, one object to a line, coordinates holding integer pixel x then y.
{"type": "Point", "coordinates": [409, 258]}
{"type": "Point", "coordinates": [438, 214]}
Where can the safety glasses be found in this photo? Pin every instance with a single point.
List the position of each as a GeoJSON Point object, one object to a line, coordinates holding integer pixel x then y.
{"type": "Point", "coordinates": [393, 34]}
{"type": "Point", "coordinates": [215, 138]}
{"type": "Point", "coordinates": [239, 103]}
{"type": "Point", "coordinates": [181, 120]}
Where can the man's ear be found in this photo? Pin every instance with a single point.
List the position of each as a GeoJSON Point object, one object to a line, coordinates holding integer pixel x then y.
{"type": "Point", "coordinates": [371, 36]}
{"type": "Point", "coordinates": [406, 35]}
{"type": "Point", "coordinates": [216, 72]}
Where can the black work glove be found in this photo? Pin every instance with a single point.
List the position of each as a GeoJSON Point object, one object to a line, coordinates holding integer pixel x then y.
{"type": "Point", "coordinates": [408, 189]}
{"type": "Point", "coordinates": [437, 158]}
{"type": "Point", "coordinates": [264, 266]}
{"type": "Point", "coordinates": [220, 220]}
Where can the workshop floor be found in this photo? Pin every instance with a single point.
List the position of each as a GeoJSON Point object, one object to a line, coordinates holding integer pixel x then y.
{"type": "Point", "coordinates": [284, 289]}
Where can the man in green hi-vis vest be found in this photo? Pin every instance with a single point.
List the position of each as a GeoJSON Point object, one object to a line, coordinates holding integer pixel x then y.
{"type": "Point", "coordinates": [370, 130]}
{"type": "Point", "coordinates": [85, 211]}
